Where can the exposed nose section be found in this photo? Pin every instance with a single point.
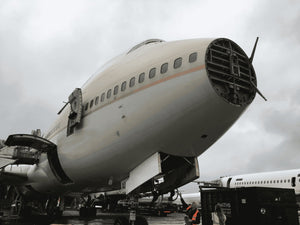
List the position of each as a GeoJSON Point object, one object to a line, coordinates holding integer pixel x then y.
{"type": "Point", "coordinates": [230, 72]}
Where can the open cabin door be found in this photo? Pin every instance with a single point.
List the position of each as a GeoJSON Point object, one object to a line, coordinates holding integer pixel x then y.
{"type": "Point", "coordinates": [74, 119]}
{"type": "Point", "coordinates": [293, 181]}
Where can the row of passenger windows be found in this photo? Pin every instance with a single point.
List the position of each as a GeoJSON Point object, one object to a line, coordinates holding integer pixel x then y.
{"type": "Point", "coordinates": [141, 78]}
{"type": "Point", "coordinates": [263, 182]}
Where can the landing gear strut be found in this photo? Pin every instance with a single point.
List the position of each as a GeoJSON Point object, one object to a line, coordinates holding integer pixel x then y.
{"type": "Point", "coordinates": [54, 207]}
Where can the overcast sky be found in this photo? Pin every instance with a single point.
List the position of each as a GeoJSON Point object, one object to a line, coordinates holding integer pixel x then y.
{"type": "Point", "coordinates": [47, 48]}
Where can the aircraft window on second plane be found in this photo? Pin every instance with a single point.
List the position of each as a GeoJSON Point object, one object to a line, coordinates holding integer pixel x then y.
{"type": "Point", "coordinates": [116, 89]}
{"type": "Point", "coordinates": [152, 73]}
{"type": "Point", "coordinates": [141, 77]}
{"type": "Point", "coordinates": [86, 106]}
{"type": "Point", "coordinates": [123, 86]}
{"type": "Point", "coordinates": [164, 68]}
{"type": "Point", "coordinates": [108, 94]}
{"type": "Point", "coordinates": [97, 100]}
{"type": "Point", "coordinates": [193, 57]}
{"type": "Point", "coordinates": [177, 63]}
{"type": "Point", "coordinates": [132, 82]}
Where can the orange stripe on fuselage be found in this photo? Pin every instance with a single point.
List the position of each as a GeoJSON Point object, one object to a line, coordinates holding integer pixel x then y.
{"type": "Point", "coordinates": [137, 90]}
{"type": "Point", "coordinates": [150, 85]}
{"type": "Point", "coordinates": [170, 77]}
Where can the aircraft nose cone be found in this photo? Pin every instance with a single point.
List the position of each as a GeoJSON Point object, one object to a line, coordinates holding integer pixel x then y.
{"type": "Point", "coordinates": [230, 72]}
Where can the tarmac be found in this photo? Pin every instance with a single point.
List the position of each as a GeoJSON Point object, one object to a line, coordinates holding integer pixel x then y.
{"type": "Point", "coordinates": [72, 217]}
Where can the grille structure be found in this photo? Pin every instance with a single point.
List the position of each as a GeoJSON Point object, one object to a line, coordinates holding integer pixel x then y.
{"type": "Point", "coordinates": [230, 72]}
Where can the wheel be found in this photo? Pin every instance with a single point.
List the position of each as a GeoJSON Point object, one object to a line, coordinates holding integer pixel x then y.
{"type": "Point", "coordinates": [122, 220]}
{"type": "Point", "coordinates": [140, 220]}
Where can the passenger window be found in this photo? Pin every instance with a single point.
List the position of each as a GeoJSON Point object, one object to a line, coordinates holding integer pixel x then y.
{"type": "Point", "coordinates": [141, 77]}
{"type": "Point", "coordinates": [116, 89]}
{"type": "Point", "coordinates": [108, 93]}
{"type": "Point", "coordinates": [123, 86]}
{"type": "Point", "coordinates": [193, 57]}
{"type": "Point", "coordinates": [91, 103]}
{"type": "Point", "coordinates": [177, 63]}
{"type": "Point", "coordinates": [132, 82]}
{"type": "Point", "coordinates": [102, 97]}
{"type": "Point", "coordinates": [152, 73]}
{"type": "Point", "coordinates": [86, 106]}
{"type": "Point", "coordinates": [164, 68]}
{"type": "Point", "coordinates": [97, 100]}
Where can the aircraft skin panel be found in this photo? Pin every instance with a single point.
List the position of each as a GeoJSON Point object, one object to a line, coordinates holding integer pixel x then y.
{"type": "Point", "coordinates": [173, 119]}
{"type": "Point", "coordinates": [177, 112]}
{"type": "Point", "coordinates": [129, 65]}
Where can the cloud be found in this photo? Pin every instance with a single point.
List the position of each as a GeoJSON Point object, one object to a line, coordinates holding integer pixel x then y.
{"type": "Point", "coordinates": [49, 48]}
{"type": "Point", "coordinates": [20, 116]}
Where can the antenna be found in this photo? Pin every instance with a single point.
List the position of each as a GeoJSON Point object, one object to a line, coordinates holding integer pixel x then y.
{"type": "Point", "coordinates": [66, 103]}
{"type": "Point", "coordinates": [253, 51]}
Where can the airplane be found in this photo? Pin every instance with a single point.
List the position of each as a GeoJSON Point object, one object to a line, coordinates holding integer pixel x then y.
{"type": "Point", "coordinates": [136, 126]}
{"type": "Point", "coordinates": [289, 179]}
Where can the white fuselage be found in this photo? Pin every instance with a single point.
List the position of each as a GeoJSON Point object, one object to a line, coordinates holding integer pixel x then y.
{"type": "Point", "coordinates": [278, 179]}
{"type": "Point", "coordinates": [177, 112]}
